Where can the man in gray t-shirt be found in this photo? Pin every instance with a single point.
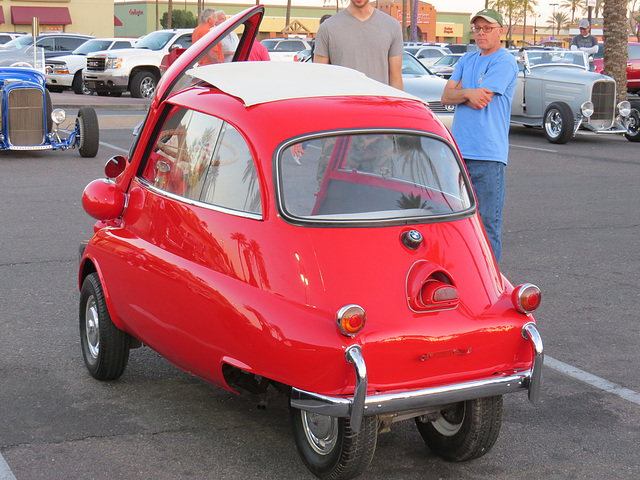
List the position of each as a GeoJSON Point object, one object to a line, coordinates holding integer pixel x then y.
{"type": "Point", "coordinates": [365, 39]}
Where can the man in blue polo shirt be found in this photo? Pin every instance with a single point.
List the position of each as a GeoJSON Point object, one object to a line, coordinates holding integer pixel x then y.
{"type": "Point", "coordinates": [482, 86]}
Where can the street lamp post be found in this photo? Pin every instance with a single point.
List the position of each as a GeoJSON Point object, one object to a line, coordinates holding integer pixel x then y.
{"type": "Point", "coordinates": [555, 20]}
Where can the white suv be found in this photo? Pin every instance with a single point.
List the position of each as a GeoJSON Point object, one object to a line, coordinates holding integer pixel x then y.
{"type": "Point", "coordinates": [66, 71]}
{"type": "Point", "coordinates": [285, 48]}
{"type": "Point", "coordinates": [137, 69]}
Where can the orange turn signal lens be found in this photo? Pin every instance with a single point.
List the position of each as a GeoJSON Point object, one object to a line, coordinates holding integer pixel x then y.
{"type": "Point", "coordinates": [526, 297]}
{"type": "Point", "coordinates": [351, 320]}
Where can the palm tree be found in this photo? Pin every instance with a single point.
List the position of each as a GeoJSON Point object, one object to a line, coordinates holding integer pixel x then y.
{"type": "Point", "coordinates": [557, 22]}
{"type": "Point", "coordinates": [615, 37]}
{"type": "Point", "coordinates": [572, 6]}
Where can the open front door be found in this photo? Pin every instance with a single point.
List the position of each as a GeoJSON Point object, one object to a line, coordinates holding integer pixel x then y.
{"type": "Point", "coordinates": [248, 20]}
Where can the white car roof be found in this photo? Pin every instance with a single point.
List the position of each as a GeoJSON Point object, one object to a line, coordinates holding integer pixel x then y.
{"type": "Point", "coordinates": [263, 82]}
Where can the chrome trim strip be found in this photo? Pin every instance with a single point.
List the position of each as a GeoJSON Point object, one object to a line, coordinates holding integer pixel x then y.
{"type": "Point", "coordinates": [354, 355]}
{"type": "Point", "coordinates": [530, 332]}
{"type": "Point", "coordinates": [414, 400]}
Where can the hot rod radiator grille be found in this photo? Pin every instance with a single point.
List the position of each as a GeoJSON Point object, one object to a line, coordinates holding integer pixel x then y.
{"type": "Point", "coordinates": [25, 116]}
{"type": "Point", "coordinates": [603, 96]}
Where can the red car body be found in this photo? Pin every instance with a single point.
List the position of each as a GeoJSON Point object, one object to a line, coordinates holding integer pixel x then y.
{"type": "Point", "coordinates": [362, 317]}
{"type": "Point", "coordinates": [633, 65]}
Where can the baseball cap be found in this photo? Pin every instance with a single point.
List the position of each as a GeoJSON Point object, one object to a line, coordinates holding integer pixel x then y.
{"type": "Point", "coordinates": [584, 24]}
{"type": "Point", "coordinates": [489, 15]}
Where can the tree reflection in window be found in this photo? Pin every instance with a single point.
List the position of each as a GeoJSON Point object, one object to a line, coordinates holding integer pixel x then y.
{"type": "Point", "coordinates": [200, 157]}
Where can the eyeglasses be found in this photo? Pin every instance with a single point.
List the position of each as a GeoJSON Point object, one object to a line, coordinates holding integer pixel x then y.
{"type": "Point", "coordinates": [485, 29]}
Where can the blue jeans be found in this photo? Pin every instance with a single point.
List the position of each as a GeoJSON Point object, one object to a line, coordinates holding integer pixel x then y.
{"type": "Point", "coordinates": [488, 182]}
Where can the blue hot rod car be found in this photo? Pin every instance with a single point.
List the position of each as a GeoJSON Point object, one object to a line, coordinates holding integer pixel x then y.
{"type": "Point", "coordinates": [28, 120]}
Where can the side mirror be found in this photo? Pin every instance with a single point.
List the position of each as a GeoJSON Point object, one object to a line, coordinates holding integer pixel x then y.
{"type": "Point", "coordinates": [115, 166]}
{"type": "Point", "coordinates": [174, 46]}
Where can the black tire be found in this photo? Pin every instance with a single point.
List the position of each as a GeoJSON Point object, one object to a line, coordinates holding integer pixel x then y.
{"type": "Point", "coordinates": [464, 431]}
{"type": "Point", "coordinates": [143, 85]}
{"type": "Point", "coordinates": [558, 123]}
{"type": "Point", "coordinates": [49, 107]}
{"type": "Point", "coordinates": [78, 86]}
{"type": "Point", "coordinates": [88, 130]}
{"type": "Point", "coordinates": [54, 89]}
{"type": "Point", "coordinates": [633, 123]}
{"type": "Point", "coordinates": [330, 448]}
{"type": "Point", "coordinates": [105, 347]}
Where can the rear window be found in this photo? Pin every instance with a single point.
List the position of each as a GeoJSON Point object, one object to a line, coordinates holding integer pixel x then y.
{"type": "Point", "coordinates": [377, 176]}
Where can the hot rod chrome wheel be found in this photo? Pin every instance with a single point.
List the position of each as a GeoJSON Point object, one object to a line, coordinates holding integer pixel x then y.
{"type": "Point", "coordinates": [330, 448]}
{"type": "Point", "coordinates": [633, 123]}
{"type": "Point", "coordinates": [464, 431]}
{"type": "Point", "coordinates": [105, 347]}
{"type": "Point", "coordinates": [558, 123]}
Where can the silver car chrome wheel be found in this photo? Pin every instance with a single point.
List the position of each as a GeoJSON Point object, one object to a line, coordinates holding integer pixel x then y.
{"type": "Point", "coordinates": [558, 123]}
{"type": "Point", "coordinates": [92, 327]}
{"type": "Point", "coordinates": [321, 431]}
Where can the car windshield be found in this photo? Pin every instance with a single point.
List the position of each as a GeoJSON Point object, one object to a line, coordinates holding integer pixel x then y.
{"type": "Point", "coordinates": [377, 176]}
{"type": "Point", "coordinates": [89, 46]}
{"type": "Point", "coordinates": [411, 66]}
{"type": "Point", "coordinates": [155, 40]}
{"type": "Point", "coordinates": [447, 60]}
{"type": "Point", "coordinates": [270, 44]}
{"type": "Point", "coordinates": [556, 57]}
{"type": "Point", "coordinates": [19, 42]}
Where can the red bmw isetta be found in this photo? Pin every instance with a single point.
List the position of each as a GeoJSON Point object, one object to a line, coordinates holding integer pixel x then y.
{"type": "Point", "coordinates": [302, 227]}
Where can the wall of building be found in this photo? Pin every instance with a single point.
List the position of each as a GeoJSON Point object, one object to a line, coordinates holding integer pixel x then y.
{"type": "Point", "coordinates": [91, 17]}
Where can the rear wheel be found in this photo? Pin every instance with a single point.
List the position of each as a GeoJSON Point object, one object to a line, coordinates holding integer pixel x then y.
{"type": "Point", "coordinates": [330, 448]}
{"type": "Point", "coordinates": [143, 85]}
{"type": "Point", "coordinates": [558, 123]}
{"type": "Point", "coordinates": [465, 430]}
{"type": "Point", "coordinates": [633, 123]}
{"type": "Point", "coordinates": [88, 139]}
{"type": "Point", "coordinates": [105, 347]}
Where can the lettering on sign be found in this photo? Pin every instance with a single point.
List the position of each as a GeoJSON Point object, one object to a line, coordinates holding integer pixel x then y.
{"type": "Point", "coordinates": [422, 17]}
{"type": "Point", "coordinates": [137, 13]}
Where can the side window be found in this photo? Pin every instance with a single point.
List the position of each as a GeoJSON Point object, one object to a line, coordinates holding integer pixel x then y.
{"type": "Point", "coordinates": [184, 41]}
{"type": "Point", "coordinates": [202, 158]}
{"type": "Point", "coordinates": [634, 52]}
{"type": "Point", "coordinates": [121, 45]}
{"type": "Point", "coordinates": [69, 43]}
{"type": "Point", "coordinates": [47, 44]}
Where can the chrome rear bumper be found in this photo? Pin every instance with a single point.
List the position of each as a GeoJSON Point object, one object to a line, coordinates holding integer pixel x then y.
{"type": "Point", "coordinates": [362, 405]}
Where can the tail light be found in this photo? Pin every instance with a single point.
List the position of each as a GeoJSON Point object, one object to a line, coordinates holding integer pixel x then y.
{"type": "Point", "coordinates": [351, 320]}
{"type": "Point", "coordinates": [526, 297]}
{"type": "Point", "coordinates": [437, 294]}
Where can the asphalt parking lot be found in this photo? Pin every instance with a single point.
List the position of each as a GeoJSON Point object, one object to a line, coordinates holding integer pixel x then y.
{"type": "Point", "coordinates": [571, 226]}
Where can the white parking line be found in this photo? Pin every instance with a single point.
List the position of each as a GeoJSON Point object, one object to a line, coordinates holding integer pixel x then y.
{"type": "Point", "coordinates": [114, 147]}
{"type": "Point", "coordinates": [592, 380]}
{"type": "Point", "coordinates": [5, 471]}
{"type": "Point", "coordinates": [534, 148]}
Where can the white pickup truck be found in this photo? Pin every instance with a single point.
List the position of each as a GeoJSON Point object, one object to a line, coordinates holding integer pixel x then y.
{"type": "Point", "coordinates": [137, 69]}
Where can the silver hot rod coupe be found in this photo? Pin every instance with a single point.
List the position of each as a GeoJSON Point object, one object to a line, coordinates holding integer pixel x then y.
{"type": "Point", "coordinates": [28, 119]}
{"type": "Point", "coordinates": [556, 91]}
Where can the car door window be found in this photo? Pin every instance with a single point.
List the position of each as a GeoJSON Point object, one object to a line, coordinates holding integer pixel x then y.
{"type": "Point", "coordinates": [202, 158]}
{"type": "Point", "coordinates": [47, 44]}
{"type": "Point", "coordinates": [634, 52]}
{"type": "Point", "coordinates": [69, 43]}
{"type": "Point", "coordinates": [184, 41]}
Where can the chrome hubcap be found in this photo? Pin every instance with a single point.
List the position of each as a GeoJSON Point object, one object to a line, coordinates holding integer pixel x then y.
{"type": "Point", "coordinates": [321, 431]}
{"type": "Point", "coordinates": [92, 325]}
{"type": "Point", "coordinates": [450, 421]}
{"type": "Point", "coordinates": [553, 123]}
{"type": "Point", "coordinates": [147, 87]}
